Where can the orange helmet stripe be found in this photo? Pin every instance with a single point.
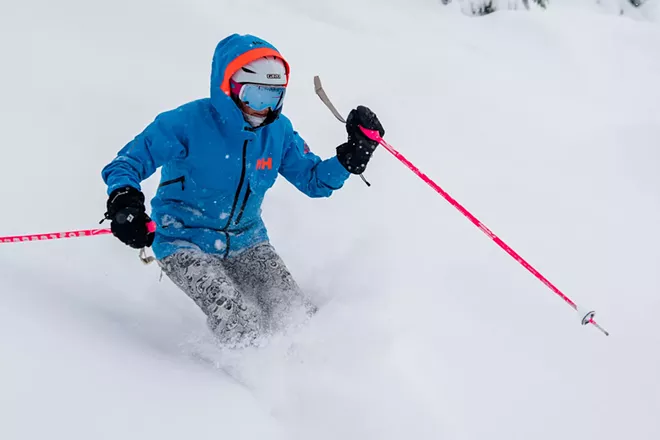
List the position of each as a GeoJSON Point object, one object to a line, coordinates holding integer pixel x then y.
{"type": "Point", "coordinates": [246, 58]}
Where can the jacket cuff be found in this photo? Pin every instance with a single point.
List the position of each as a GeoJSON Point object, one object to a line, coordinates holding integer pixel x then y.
{"type": "Point", "coordinates": [114, 186]}
{"type": "Point", "coordinates": [333, 174]}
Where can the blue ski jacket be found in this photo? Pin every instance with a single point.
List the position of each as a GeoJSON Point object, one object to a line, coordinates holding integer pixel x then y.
{"type": "Point", "coordinates": [216, 168]}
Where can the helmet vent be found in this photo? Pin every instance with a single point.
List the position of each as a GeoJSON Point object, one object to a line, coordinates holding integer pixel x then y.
{"type": "Point", "coordinates": [245, 69]}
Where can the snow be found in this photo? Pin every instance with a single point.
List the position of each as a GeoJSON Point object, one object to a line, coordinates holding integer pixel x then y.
{"type": "Point", "coordinates": [544, 124]}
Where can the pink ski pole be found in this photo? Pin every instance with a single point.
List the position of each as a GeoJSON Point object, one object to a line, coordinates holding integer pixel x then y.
{"type": "Point", "coordinates": [54, 235]}
{"type": "Point", "coordinates": [151, 227]}
{"type": "Point", "coordinates": [586, 315]}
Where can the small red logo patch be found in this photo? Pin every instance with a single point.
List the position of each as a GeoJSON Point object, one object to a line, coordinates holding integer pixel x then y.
{"type": "Point", "coordinates": [262, 164]}
{"type": "Point", "coordinates": [306, 148]}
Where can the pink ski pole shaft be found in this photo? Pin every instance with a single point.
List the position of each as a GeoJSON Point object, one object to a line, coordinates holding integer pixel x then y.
{"type": "Point", "coordinates": [54, 235]}
{"type": "Point", "coordinates": [587, 317]}
{"type": "Point", "coordinates": [151, 227]}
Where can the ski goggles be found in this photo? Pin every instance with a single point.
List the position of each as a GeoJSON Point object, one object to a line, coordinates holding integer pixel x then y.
{"type": "Point", "coordinates": [259, 97]}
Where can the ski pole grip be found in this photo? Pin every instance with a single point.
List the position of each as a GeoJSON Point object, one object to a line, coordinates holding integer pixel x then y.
{"type": "Point", "coordinates": [151, 226]}
{"type": "Point", "coordinates": [371, 134]}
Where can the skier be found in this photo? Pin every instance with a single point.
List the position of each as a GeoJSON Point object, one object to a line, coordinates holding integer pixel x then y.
{"type": "Point", "coordinates": [219, 156]}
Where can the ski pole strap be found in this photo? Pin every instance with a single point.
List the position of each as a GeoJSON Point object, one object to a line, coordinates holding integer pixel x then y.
{"type": "Point", "coordinates": [318, 87]}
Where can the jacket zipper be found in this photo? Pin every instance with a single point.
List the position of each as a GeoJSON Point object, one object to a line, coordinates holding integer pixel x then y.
{"type": "Point", "coordinates": [181, 179]}
{"type": "Point", "coordinates": [227, 243]}
{"type": "Point", "coordinates": [244, 204]}
{"type": "Point", "coordinates": [238, 193]}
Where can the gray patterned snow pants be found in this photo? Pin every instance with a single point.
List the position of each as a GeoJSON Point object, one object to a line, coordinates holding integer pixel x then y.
{"type": "Point", "coordinates": [244, 297]}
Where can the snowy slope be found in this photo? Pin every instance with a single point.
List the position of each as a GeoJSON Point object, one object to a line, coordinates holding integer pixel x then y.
{"type": "Point", "coordinates": [546, 125]}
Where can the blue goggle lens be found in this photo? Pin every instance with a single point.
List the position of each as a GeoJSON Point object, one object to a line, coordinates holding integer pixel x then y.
{"type": "Point", "coordinates": [260, 97]}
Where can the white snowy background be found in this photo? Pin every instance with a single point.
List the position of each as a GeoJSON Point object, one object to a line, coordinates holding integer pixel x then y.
{"type": "Point", "coordinates": [546, 124]}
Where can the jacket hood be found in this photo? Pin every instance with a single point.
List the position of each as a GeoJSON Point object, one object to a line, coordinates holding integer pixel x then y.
{"type": "Point", "coordinates": [230, 55]}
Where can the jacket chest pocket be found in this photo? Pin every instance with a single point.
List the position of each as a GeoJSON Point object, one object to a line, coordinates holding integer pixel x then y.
{"type": "Point", "coordinates": [174, 181]}
{"type": "Point", "coordinates": [181, 180]}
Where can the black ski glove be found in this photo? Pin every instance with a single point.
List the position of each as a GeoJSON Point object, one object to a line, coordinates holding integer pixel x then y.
{"type": "Point", "coordinates": [129, 218]}
{"type": "Point", "coordinates": [355, 154]}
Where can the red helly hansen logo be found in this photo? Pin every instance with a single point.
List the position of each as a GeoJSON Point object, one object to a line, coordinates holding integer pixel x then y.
{"type": "Point", "coordinates": [262, 164]}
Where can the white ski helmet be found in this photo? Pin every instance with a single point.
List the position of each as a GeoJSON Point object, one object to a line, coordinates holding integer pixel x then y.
{"type": "Point", "coordinates": [269, 70]}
